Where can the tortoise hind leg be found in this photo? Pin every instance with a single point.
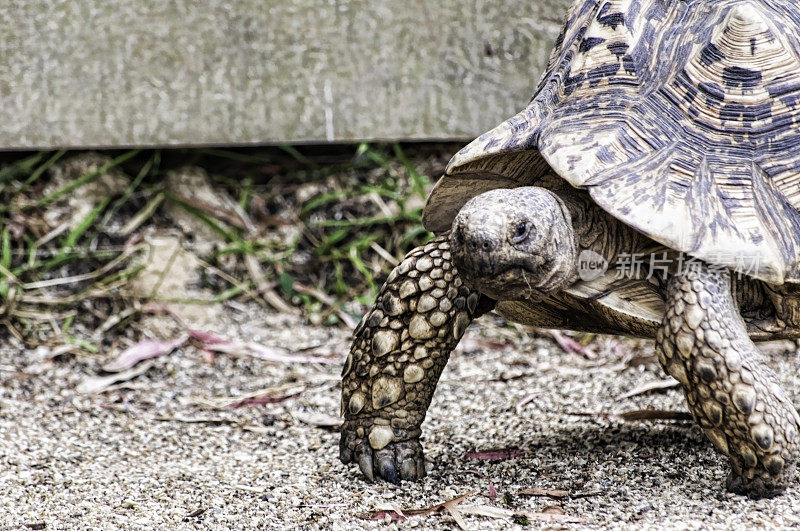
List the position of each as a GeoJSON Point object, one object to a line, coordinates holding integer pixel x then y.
{"type": "Point", "coordinates": [731, 393]}
{"type": "Point", "coordinates": [398, 353]}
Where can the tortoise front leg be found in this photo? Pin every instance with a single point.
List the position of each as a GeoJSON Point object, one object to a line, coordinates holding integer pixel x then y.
{"type": "Point", "coordinates": [732, 394]}
{"type": "Point", "coordinates": [397, 356]}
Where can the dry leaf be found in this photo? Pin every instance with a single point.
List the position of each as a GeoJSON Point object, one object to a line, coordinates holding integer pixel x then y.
{"type": "Point", "coordinates": [637, 414]}
{"type": "Point", "coordinates": [496, 454]}
{"type": "Point", "coordinates": [569, 344]}
{"type": "Point", "coordinates": [551, 517]}
{"type": "Point", "coordinates": [401, 514]}
{"type": "Point", "coordinates": [277, 354]}
{"type": "Point", "coordinates": [556, 493]}
{"type": "Point", "coordinates": [195, 420]}
{"type": "Point", "coordinates": [654, 414]}
{"type": "Point", "coordinates": [348, 321]}
{"type": "Point", "coordinates": [317, 419]}
{"type": "Point", "coordinates": [501, 513]}
{"type": "Point", "coordinates": [487, 510]}
{"type": "Point", "coordinates": [149, 348]}
{"type": "Point", "coordinates": [265, 288]}
{"type": "Point", "coordinates": [538, 491]}
{"type": "Point", "coordinates": [453, 510]}
{"type": "Point", "coordinates": [98, 384]}
{"type": "Point", "coordinates": [528, 399]}
{"type": "Point", "coordinates": [475, 344]}
{"type": "Point", "coordinates": [194, 514]}
{"type": "Point", "coordinates": [659, 385]}
{"type": "Point", "coordinates": [207, 338]}
{"type": "Point", "coordinates": [392, 514]}
{"type": "Point", "coordinates": [258, 429]}
{"type": "Point", "coordinates": [269, 395]}
{"type": "Point", "coordinates": [216, 343]}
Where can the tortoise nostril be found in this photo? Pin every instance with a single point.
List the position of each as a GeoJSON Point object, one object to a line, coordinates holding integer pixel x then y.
{"type": "Point", "coordinates": [480, 245]}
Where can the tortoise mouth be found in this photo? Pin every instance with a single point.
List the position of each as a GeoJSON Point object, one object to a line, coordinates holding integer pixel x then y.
{"type": "Point", "coordinates": [508, 283]}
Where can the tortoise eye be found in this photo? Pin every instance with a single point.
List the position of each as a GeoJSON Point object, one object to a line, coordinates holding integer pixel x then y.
{"type": "Point", "coordinates": [520, 232]}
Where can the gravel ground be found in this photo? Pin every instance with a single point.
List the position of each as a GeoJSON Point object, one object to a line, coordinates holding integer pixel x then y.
{"type": "Point", "coordinates": [151, 453]}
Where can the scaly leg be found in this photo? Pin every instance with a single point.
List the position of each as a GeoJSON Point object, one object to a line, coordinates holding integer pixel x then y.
{"type": "Point", "coordinates": [732, 394]}
{"type": "Point", "coordinates": [397, 356]}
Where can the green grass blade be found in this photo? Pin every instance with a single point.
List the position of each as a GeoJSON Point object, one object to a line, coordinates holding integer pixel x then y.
{"type": "Point", "coordinates": [83, 226]}
{"type": "Point", "coordinates": [229, 293]}
{"type": "Point", "coordinates": [246, 188]}
{"type": "Point", "coordinates": [21, 167]}
{"type": "Point", "coordinates": [322, 200]}
{"type": "Point", "coordinates": [126, 195]}
{"type": "Point", "coordinates": [5, 257]}
{"type": "Point", "coordinates": [296, 155]}
{"type": "Point", "coordinates": [204, 218]}
{"type": "Point", "coordinates": [420, 182]}
{"type": "Point", "coordinates": [41, 169]}
{"type": "Point", "coordinates": [77, 183]}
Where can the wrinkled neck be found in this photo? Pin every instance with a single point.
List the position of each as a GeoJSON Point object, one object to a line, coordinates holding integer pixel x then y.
{"type": "Point", "coordinates": [597, 230]}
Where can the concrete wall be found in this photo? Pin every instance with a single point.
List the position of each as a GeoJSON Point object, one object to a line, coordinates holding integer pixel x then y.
{"type": "Point", "coordinates": [157, 72]}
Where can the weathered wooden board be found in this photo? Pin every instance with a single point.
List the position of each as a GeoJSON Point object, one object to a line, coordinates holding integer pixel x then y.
{"type": "Point", "coordinates": [134, 72]}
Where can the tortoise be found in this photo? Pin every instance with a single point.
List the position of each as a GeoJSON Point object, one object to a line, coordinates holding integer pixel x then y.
{"type": "Point", "coordinates": [661, 128]}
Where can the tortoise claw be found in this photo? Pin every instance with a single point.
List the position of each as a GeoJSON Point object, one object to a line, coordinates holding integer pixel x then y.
{"type": "Point", "coordinates": [345, 453]}
{"type": "Point", "coordinates": [366, 465]}
{"type": "Point", "coordinates": [386, 465]}
{"type": "Point", "coordinates": [398, 460]}
{"type": "Point", "coordinates": [408, 469]}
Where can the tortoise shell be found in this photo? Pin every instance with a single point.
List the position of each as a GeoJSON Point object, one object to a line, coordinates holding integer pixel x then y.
{"type": "Point", "coordinates": [680, 118]}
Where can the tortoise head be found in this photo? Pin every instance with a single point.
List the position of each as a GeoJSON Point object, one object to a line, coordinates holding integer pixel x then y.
{"type": "Point", "coordinates": [515, 244]}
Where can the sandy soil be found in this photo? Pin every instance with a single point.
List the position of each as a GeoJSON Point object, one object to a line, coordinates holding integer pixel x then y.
{"type": "Point", "coordinates": [155, 453]}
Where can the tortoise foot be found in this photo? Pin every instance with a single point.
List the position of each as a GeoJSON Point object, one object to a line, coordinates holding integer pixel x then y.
{"type": "Point", "coordinates": [759, 484]}
{"type": "Point", "coordinates": [400, 459]}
